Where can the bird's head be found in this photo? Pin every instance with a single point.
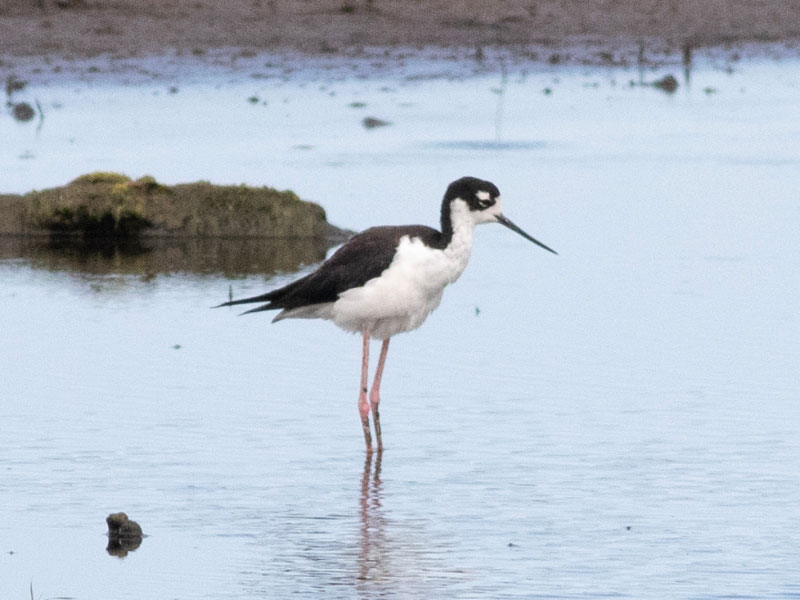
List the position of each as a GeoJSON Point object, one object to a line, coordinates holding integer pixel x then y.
{"type": "Point", "coordinates": [481, 198]}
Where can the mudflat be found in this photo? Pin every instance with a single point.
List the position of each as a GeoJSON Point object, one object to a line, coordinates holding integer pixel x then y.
{"type": "Point", "coordinates": [129, 28]}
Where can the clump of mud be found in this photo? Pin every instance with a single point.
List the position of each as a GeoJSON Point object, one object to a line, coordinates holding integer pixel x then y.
{"type": "Point", "coordinates": [112, 205]}
{"type": "Point", "coordinates": [124, 535]}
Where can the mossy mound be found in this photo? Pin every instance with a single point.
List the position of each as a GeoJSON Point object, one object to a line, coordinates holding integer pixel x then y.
{"type": "Point", "coordinates": [114, 205]}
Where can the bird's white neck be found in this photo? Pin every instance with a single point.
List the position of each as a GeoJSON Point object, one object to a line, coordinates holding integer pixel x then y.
{"type": "Point", "coordinates": [460, 247]}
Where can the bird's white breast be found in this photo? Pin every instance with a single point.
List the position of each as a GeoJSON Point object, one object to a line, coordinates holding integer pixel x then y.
{"type": "Point", "coordinates": [402, 297]}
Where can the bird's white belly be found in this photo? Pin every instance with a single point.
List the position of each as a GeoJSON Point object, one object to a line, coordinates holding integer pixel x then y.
{"type": "Point", "coordinates": [404, 295]}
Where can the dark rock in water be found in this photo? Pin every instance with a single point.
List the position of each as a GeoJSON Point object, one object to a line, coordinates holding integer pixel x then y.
{"type": "Point", "coordinates": [23, 111]}
{"type": "Point", "coordinates": [124, 535]}
{"type": "Point", "coordinates": [372, 122]}
{"type": "Point", "coordinates": [120, 525]}
{"type": "Point", "coordinates": [668, 83]}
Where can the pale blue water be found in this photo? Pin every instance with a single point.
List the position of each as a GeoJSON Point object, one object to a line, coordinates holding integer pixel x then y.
{"type": "Point", "coordinates": [617, 421]}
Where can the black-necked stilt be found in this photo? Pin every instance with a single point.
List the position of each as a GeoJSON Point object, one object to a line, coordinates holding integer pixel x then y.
{"type": "Point", "coordinates": [387, 280]}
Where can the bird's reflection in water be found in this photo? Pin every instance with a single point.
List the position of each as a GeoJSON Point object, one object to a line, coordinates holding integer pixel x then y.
{"type": "Point", "coordinates": [373, 523]}
{"type": "Point", "coordinates": [397, 558]}
{"type": "Point", "coordinates": [374, 544]}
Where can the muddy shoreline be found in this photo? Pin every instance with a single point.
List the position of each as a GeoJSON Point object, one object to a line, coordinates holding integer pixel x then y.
{"type": "Point", "coordinates": [56, 39]}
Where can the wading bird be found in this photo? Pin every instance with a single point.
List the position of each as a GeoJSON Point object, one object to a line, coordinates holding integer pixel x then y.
{"type": "Point", "coordinates": [387, 280]}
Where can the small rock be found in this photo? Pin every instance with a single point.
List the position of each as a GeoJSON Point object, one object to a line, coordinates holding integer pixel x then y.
{"type": "Point", "coordinates": [119, 525]}
{"type": "Point", "coordinates": [124, 535]}
{"type": "Point", "coordinates": [23, 111]}
{"type": "Point", "coordinates": [372, 123]}
{"type": "Point", "coordinates": [668, 83]}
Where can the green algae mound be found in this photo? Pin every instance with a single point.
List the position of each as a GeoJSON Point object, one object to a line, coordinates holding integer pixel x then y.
{"type": "Point", "coordinates": [112, 205]}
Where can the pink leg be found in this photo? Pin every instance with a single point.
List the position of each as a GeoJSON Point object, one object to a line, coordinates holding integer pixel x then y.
{"type": "Point", "coordinates": [363, 403]}
{"type": "Point", "coordinates": [375, 394]}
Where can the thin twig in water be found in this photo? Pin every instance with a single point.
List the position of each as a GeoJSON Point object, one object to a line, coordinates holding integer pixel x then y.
{"type": "Point", "coordinates": [41, 116]}
{"type": "Point", "coordinates": [501, 92]}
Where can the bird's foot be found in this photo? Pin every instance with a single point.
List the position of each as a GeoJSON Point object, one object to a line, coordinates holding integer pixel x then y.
{"type": "Point", "coordinates": [376, 419]}
{"type": "Point", "coordinates": [367, 435]}
{"type": "Point", "coordinates": [363, 409]}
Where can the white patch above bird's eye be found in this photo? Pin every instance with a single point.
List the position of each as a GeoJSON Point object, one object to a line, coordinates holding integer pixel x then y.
{"type": "Point", "coordinates": [484, 199]}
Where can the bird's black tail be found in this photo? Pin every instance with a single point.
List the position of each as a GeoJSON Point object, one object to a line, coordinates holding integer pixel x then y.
{"type": "Point", "coordinates": [262, 298]}
{"type": "Point", "coordinates": [274, 299]}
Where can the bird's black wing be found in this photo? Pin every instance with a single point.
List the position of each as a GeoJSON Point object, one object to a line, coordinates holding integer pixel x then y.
{"type": "Point", "coordinates": [364, 257]}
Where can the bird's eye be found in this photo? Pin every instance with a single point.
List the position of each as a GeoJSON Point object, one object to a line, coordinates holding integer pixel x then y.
{"type": "Point", "coordinates": [485, 203]}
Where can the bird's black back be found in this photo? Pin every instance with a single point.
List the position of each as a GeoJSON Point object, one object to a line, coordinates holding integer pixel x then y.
{"type": "Point", "coordinates": [364, 257]}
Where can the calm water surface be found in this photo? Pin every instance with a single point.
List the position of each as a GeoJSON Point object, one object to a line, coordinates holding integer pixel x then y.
{"type": "Point", "coordinates": [617, 421]}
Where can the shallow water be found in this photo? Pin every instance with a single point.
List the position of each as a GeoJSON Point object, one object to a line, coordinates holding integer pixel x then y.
{"type": "Point", "coordinates": [617, 421]}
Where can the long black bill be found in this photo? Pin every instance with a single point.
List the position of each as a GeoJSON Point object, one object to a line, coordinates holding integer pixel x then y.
{"type": "Point", "coordinates": [508, 223]}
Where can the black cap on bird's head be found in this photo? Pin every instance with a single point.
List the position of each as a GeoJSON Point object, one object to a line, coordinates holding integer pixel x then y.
{"type": "Point", "coordinates": [477, 193]}
{"type": "Point", "coordinates": [483, 200]}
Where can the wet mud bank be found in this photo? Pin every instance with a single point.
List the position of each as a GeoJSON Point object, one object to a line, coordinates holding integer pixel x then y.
{"type": "Point", "coordinates": [126, 28]}
{"type": "Point", "coordinates": [137, 40]}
